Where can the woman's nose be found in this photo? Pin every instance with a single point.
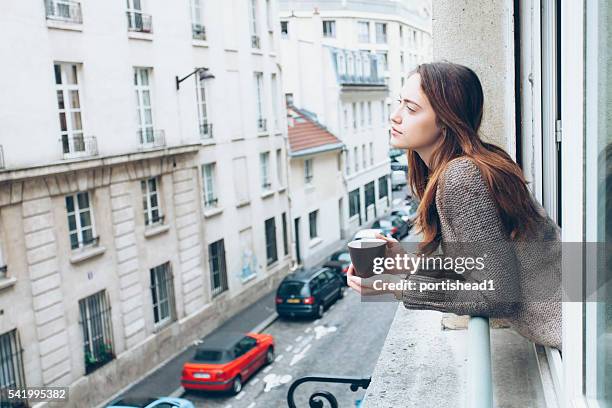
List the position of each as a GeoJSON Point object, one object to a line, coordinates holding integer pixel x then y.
{"type": "Point", "coordinates": [396, 117]}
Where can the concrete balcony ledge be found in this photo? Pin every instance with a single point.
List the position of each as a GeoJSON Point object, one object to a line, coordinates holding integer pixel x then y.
{"type": "Point", "coordinates": [422, 364]}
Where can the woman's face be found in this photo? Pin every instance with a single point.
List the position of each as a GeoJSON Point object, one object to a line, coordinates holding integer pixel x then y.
{"type": "Point", "coordinates": [413, 122]}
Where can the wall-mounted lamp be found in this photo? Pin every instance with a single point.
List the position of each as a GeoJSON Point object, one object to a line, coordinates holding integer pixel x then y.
{"type": "Point", "coordinates": [202, 72]}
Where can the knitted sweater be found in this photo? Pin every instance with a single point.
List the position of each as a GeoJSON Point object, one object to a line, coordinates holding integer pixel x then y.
{"type": "Point", "coordinates": [526, 274]}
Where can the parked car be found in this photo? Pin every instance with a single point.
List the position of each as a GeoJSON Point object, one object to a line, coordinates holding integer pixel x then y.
{"type": "Point", "coordinates": [146, 402]}
{"type": "Point", "coordinates": [398, 179]}
{"type": "Point", "coordinates": [405, 214]}
{"type": "Point", "coordinates": [392, 225]}
{"type": "Point", "coordinates": [367, 233]}
{"type": "Point", "coordinates": [307, 292]}
{"type": "Point", "coordinates": [339, 262]}
{"type": "Point", "coordinates": [224, 361]}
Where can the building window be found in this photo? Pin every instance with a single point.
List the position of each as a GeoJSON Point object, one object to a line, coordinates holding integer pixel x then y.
{"type": "Point", "coordinates": [271, 255]}
{"type": "Point", "coordinates": [346, 120]}
{"type": "Point", "coordinates": [12, 374]}
{"type": "Point", "coordinates": [137, 20]}
{"type": "Point", "coordinates": [363, 156]}
{"type": "Point", "coordinates": [284, 29]}
{"type": "Point", "coordinates": [218, 274]}
{"type": "Point", "coordinates": [150, 201]}
{"type": "Point", "coordinates": [381, 33]}
{"type": "Point", "coordinates": [383, 117]}
{"type": "Point", "coordinates": [356, 159]}
{"type": "Point", "coordinates": [80, 220]}
{"type": "Point", "coordinates": [347, 163]}
{"type": "Point", "coordinates": [329, 28]}
{"type": "Point", "coordinates": [241, 186]}
{"type": "Point", "coordinates": [401, 33]}
{"type": "Point", "coordinates": [197, 23]}
{"type": "Point", "coordinates": [371, 153]}
{"type": "Point", "coordinates": [269, 16]}
{"type": "Point", "coordinates": [205, 128]}
{"type": "Point", "coordinates": [362, 113]}
{"type": "Point", "coordinates": [285, 234]}
{"type": "Point", "coordinates": [144, 110]}
{"type": "Point", "coordinates": [369, 113]}
{"type": "Point", "coordinates": [162, 294]}
{"type": "Point", "coordinates": [208, 185]}
{"type": "Point", "coordinates": [261, 122]}
{"type": "Point", "coordinates": [370, 196]}
{"type": "Point", "coordinates": [97, 328]}
{"type": "Point", "coordinates": [364, 31]}
{"type": "Point", "coordinates": [279, 168]}
{"type": "Point", "coordinates": [64, 10]}
{"type": "Point", "coordinates": [69, 108]}
{"type": "Point", "coordinates": [254, 25]}
{"type": "Point", "coordinates": [275, 98]}
{"type": "Point", "coordinates": [355, 204]}
{"type": "Point", "coordinates": [383, 187]}
{"type": "Point", "coordinates": [264, 161]}
{"type": "Point", "coordinates": [384, 60]}
{"type": "Point", "coordinates": [354, 112]}
{"type": "Point", "coordinates": [312, 220]}
{"type": "Point", "coordinates": [3, 267]}
{"type": "Point", "coordinates": [308, 170]}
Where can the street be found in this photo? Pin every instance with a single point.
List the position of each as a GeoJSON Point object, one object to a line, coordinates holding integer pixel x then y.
{"type": "Point", "coordinates": [345, 342]}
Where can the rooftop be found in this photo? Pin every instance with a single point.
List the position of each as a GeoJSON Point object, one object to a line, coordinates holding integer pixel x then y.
{"type": "Point", "coordinates": [307, 135]}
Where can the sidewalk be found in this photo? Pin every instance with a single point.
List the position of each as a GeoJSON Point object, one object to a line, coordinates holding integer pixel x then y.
{"type": "Point", "coordinates": [166, 380]}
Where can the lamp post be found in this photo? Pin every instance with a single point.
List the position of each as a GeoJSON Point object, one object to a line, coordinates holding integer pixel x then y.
{"type": "Point", "coordinates": [203, 73]}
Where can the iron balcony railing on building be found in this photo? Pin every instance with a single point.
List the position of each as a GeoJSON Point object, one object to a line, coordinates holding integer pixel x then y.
{"type": "Point", "coordinates": [74, 147]}
{"type": "Point", "coordinates": [151, 138]}
{"type": "Point", "coordinates": [64, 10]}
{"type": "Point", "coordinates": [255, 41]}
{"type": "Point", "coordinates": [318, 398]}
{"type": "Point", "coordinates": [139, 22]}
{"type": "Point", "coordinates": [262, 125]}
{"type": "Point", "coordinates": [198, 32]}
{"type": "Point", "coordinates": [206, 130]}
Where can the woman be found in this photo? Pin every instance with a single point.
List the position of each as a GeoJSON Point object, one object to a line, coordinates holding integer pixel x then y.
{"type": "Point", "coordinates": [473, 201]}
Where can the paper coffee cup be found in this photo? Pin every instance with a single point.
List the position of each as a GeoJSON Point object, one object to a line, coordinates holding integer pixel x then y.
{"type": "Point", "coordinates": [363, 252]}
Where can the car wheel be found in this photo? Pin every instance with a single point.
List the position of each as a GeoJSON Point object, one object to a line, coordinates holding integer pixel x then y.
{"type": "Point", "coordinates": [270, 356]}
{"type": "Point", "coordinates": [340, 292]}
{"type": "Point", "coordinates": [237, 385]}
{"type": "Point", "coordinates": [320, 311]}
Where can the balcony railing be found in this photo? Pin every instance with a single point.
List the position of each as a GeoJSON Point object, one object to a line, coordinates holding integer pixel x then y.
{"type": "Point", "coordinates": [3, 271]}
{"type": "Point", "coordinates": [198, 32]}
{"type": "Point", "coordinates": [255, 41]}
{"type": "Point", "coordinates": [479, 375]}
{"type": "Point", "coordinates": [318, 398]}
{"type": "Point", "coordinates": [74, 147]}
{"type": "Point", "coordinates": [206, 130]}
{"type": "Point", "coordinates": [139, 22]}
{"type": "Point", "coordinates": [208, 203]}
{"type": "Point", "coordinates": [2, 164]}
{"type": "Point", "coordinates": [64, 10]}
{"type": "Point", "coordinates": [262, 125]}
{"type": "Point", "coordinates": [150, 138]}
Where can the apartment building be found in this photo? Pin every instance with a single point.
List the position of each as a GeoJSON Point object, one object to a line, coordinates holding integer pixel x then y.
{"type": "Point", "coordinates": [350, 91]}
{"type": "Point", "coordinates": [120, 242]}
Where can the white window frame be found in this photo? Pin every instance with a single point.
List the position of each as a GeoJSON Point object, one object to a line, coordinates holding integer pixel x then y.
{"type": "Point", "coordinates": [371, 153]}
{"type": "Point", "coordinates": [279, 168]}
{"type": "Point", "coordinates": [147, 198]}
{"type": "Point", "coordinates": [264, 164]}
{"type": "Point", "coordinates": [201, 92]}
{"type": "Point", "coordinates": [308, 170]}
{"type": "Point", "coordinates": [384, 33]}
{"type": "Point", "coordinates": [315, 224]}
{"type": "Point", "coordinates": [259, 99]}
{"type": "Point", "coordinates": [356, 158]}
{"type": "Point", "coordinates": [75, 140]}
{"type": "Point", "coordinates": [361, 37]}
{"type": "Point", "coordinates": [196, 12]}
{"type": "Point", "coordinates": [364, 156]}
{"type": "Point", "coordinates": [208, 172]}
{"type": "Point", "coordinates": [163, 276]}
{"type": "Point", "coordinates": [275, 99]}
{"type": "Point", "coordinates": [79, 229]}
{"type": "Point", "coordinates": [146, 131]}
{"type": "Point", "coordinates": [332, 25]}
{"type": "Point", "coordinates": [369, 113]}
{"type": "Point", "coordinates": [254, 26]}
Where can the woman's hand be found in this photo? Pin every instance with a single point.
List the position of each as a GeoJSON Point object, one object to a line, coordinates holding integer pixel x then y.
{"type": "Point", "coordinates": [365, 286]}
{"type": "Point", "coordinates": [390, 241]}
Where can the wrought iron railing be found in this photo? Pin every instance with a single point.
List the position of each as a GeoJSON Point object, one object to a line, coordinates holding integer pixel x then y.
{"type": "Point", "coordinates": [64, 10]}
{"type": "Point", "coordinates": [139, 22]}
{"type": "Point", "coordinates": [206, 130]}
{"type": "Point", "coordinates": [262, 124]}
{"type": "Point", "coordinates": [198, 32]}
{"type": "Point", "coordinates": [78, 146]}
{"type": "Point", "coordinates": [151, 138]}
{"type": "Point", "coordinates": [212, 202]}
{"type": "Point", "coordinates": [255, 41]}
{"type": "Point", "coordinates": [318, 398]}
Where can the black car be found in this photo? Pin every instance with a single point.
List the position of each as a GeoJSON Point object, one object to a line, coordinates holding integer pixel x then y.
{"type": "Point", "coordinates": [307, 292]}
{"type": "Point", "coordinates": [394, 225]}
{"type": "Point", "coordinates": [339, 262]}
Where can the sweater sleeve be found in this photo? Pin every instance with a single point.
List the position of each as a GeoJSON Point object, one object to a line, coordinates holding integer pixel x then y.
{"type": "Point", "coordinates": [471, 227]}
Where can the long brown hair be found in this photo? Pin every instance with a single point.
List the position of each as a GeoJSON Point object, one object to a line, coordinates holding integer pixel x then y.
{"type": "Point", "coordinates": [455, 94]}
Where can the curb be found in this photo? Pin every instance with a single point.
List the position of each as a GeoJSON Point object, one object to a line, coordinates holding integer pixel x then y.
{"type": "Point", "coordinates": [261, 326]}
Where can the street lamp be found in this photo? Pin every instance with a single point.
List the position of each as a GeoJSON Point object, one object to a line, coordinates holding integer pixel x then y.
{"type": "Point", "coordinates": [203, 74]}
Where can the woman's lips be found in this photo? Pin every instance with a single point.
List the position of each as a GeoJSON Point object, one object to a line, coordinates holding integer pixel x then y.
{"type": "Point", "coordinates": [395, 133]}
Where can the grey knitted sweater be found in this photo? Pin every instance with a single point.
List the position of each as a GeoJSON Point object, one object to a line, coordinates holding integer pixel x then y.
{"type": "Point", "coordinates": [526, 274]}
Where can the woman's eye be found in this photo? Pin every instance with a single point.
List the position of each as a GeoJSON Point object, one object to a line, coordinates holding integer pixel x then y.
{"type": "Point", "coordinates": [410, 109]}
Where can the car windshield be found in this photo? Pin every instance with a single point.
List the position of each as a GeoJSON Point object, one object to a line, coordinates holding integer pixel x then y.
{"type": "Point", "coordinates": [385, 223]}
{"type": "Point", "coordinates": [397, 222]}
{"type": "Point", "coordinates": [292, 288]}
{"type": "Point", "coordinates": [208, 356]}
{"type": "Point", "coordinates": [342, 256]}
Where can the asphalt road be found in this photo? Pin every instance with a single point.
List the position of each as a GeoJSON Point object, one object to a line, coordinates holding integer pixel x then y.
{"type": "Point", "coordinates": [345, 342]}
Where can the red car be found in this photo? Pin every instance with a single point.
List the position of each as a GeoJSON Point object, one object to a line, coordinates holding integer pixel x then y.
{"type": "Point", "coordinates": [224, 361]}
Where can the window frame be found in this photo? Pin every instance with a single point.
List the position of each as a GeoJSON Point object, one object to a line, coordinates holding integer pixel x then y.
{"type": "Point", "coordinates": [149, 208]}
{"type": "Point", "coordinates": [76, 213]}
{"type": "Point", "coordinates": [209, 197]}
